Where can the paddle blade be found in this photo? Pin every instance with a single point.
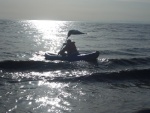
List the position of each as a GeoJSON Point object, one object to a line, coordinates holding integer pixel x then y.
{"type": "Point", "coordinates": [74, 32]}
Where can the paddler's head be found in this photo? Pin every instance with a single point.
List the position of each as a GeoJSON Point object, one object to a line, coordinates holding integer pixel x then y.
{"type": "Point", "coordinates": [68, 41]}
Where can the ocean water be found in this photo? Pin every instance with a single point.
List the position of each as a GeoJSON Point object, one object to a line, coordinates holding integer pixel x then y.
{"type": "Point", "coordinates": [118, 82]}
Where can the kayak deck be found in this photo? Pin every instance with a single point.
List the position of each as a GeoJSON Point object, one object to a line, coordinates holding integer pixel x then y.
{"type": "Point", "coordinates": [85, 57]}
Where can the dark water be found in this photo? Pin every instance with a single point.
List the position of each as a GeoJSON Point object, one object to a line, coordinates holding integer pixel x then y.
{"type": "Point", "coordinates": [119, 81]}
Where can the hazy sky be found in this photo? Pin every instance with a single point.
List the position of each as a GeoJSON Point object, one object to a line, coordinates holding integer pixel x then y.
{"type": "Point", "coordinates": [78, 10]}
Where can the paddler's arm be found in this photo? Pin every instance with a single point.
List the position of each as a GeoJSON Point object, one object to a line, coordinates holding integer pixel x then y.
{"type": "Point", "coordinates": [62, 49]}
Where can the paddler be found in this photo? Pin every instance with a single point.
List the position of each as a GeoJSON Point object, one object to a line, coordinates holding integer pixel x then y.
{"type": "Point", "coordinates": [70, 48]}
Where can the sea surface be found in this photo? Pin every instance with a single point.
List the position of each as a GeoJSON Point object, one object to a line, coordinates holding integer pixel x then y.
{"type": "Point", "coordinates": [118, 82]}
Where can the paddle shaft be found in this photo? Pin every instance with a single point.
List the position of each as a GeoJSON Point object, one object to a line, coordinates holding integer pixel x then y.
{"type": "Point", "coordinates": [63, 44]}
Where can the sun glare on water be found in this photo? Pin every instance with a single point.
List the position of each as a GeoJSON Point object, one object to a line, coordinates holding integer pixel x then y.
{"type": "Point", "coordinates": [49, 28]}
{"type": "Point", "coordinates": [53, 97]}
{"type": "Point", "coordinates": [52, 33]}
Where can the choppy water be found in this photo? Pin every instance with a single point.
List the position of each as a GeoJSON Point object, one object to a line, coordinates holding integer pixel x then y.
{"type": "Point", "coordinates": [118, 82]}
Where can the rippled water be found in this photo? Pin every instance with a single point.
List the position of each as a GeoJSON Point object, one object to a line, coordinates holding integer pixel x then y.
{"type": "Point", "coordinates": [117, 82]}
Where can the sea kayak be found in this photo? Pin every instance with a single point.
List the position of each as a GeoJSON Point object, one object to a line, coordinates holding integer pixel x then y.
{"type": "Point", "coordinates": [85, 57]}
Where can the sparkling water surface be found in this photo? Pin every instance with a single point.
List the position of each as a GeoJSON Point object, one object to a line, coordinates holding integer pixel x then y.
{"type": "Point", "coordinates": [115, 83]}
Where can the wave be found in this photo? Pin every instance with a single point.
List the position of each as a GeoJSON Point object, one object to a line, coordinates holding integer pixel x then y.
{"type": "Point", "coordinates": [101, 64]}
{"type": "Point", "coordinates": [11, 65]}
{"type": "Point", "coordinates": [109, 76]}
{"type": "Point", "coordinates": [126, 75]}
{"type": "Point", "coordinates": [122, 75]}
{"type": "Point", "coordinates": [131, 61]}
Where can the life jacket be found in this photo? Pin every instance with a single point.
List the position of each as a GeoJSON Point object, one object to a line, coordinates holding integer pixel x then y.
{"type": "Point", "coordinates": [71, 48]}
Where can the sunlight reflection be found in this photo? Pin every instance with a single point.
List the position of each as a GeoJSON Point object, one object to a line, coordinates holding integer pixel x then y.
{"type": "Point", "coordinates": [54, 95]}
{"type": "Point", "coordinates": [51, 33]}
{"type": "Point", "coordinates": [49, 28]}
{"type": "Point", "coordinates": [80, 73]}
{"type": "Point", "coordinates": [49, 101]}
